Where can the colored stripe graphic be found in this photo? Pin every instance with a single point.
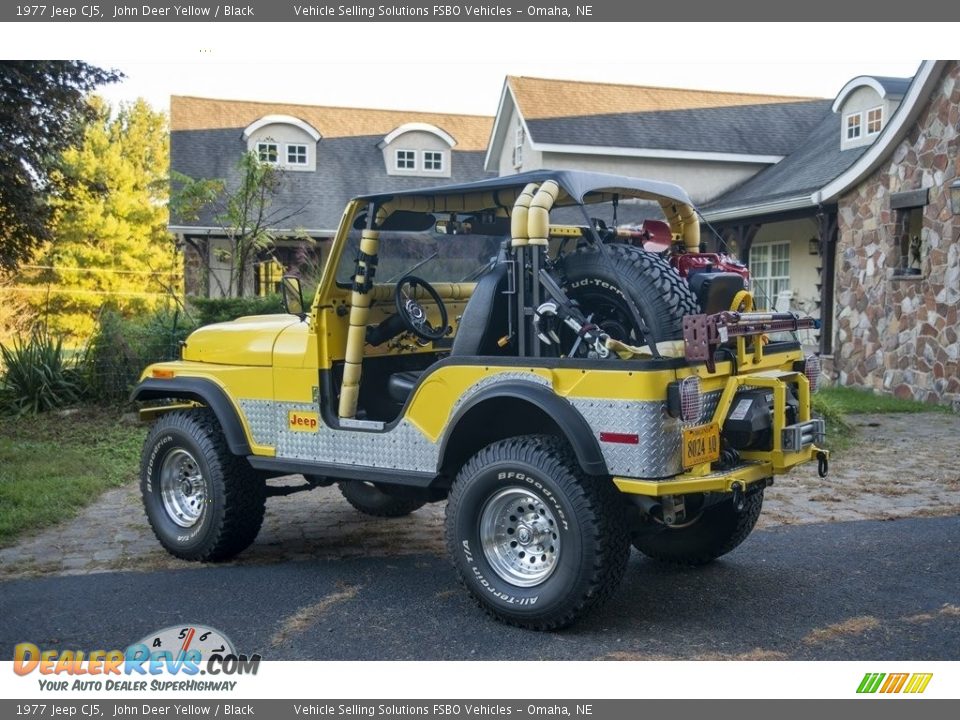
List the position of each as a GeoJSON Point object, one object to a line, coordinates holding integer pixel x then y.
{"type": "Point", "coordinates": [870, 682]}
{"type": "Point", "coordinates": [894, 683]}
{"type": "Point", "coordinates": [918, 683]}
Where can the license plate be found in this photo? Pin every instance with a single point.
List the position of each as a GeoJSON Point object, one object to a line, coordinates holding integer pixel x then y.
{"type": "Point", "coordinates": [701, 444]}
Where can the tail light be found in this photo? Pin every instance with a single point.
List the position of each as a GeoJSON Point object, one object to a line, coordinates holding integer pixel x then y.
{"type": "Point", "coordinates": [811, 368]}
{"type": "Point", "coordinates": [691, 399]}
{"type": "Point", "coordinates": [685, 399]}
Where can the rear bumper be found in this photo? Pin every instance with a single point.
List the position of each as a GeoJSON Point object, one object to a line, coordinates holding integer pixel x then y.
{"type": "Point", "coordinates": [725, 481]}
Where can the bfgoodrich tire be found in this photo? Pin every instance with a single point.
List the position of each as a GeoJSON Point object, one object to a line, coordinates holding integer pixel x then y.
{"type": "Point", "coordinates": [203, 502]}
{"type": "Point", "coordinates": [372, 500]}
{"type": "Point", "coordinates": [718, 530]}
{"type": "Point", "coordinates": [598, 284]}
{"type": "Point", "coordinates": [535, 541]}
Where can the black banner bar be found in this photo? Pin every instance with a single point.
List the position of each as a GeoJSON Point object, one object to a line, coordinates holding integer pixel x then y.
{"type": "Point", "coordinates": [521, 11]}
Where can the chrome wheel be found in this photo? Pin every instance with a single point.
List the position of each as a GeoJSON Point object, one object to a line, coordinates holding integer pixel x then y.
{"type": "Point", "coordinates": [182, 488]}
{"type": "Point", "coordinates": [518, 533]}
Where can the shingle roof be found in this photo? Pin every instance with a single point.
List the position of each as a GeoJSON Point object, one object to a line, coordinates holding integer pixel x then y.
{"type": "Point", "coordinates": [808, 168]}
{"type": "Point", "coordinates": [540, 98]}
{"type": "Point", "coordinates": [346, 167]}
{"type": "Point", "coordinates": [193, 113]}
{"type": "Point", "coordinates": [770, 129]}
{"type": "Point", "coordinates": [894, 85]}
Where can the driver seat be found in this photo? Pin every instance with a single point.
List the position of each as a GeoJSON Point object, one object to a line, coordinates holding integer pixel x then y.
{"type": "Point", "coordinates": [483, 323]}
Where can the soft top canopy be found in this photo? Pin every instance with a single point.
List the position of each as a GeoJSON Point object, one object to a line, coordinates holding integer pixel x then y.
{"type": "Point", "coordinates": [577, 187]}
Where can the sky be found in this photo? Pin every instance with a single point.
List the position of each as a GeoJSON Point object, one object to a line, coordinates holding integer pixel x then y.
{"type": "Point", "coordinates": [460, 67]}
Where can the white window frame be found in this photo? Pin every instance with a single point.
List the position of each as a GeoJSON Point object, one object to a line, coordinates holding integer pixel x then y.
{"type": "Point", "coordinates": [767, 286]}
{"type": "Point", "coordinates": [306, 154]}
{"type": "Point", "coordinates": [437, 157]}
{"type": "Point", "coordinates": [410, 156]}
{"type": "Point", "coordinates": [261, 144]}
{"type": "Point", "coordinates": [518, 139]}
{"type": "Point", "coordinates": [848, 126]}
{"type": "Point", "coordinates": [867, 122]}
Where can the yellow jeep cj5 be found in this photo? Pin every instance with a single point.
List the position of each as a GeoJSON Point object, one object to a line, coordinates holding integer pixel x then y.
{"type": "Point", "coordinates": [569, 373]}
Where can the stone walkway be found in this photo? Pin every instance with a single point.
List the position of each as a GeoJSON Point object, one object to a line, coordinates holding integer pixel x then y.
{"type": "Point", "coordinates": [900, 466]}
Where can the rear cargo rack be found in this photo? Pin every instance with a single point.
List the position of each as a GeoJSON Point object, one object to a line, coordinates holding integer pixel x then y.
{"type": "Point", "coordinates": [703, 334]}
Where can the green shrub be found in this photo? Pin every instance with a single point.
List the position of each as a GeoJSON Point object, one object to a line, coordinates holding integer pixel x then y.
{"type": "Point", "coordinates": [213, 310]}
{"type": "Point", "coordinates": [121, 348]}
{"type": "Point", "coordinates": [37, 375]}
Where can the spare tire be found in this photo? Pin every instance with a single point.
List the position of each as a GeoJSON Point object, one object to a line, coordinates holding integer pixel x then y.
{"type": "Point", "coordinates": [598, 283]}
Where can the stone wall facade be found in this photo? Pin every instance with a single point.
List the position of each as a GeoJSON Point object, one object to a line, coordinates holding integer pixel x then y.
{"type": "Point", "coordinates": [897, 333]}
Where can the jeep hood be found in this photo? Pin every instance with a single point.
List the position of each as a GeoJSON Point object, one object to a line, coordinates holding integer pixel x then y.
{"type": "Point", "coordinates": [244, 341]}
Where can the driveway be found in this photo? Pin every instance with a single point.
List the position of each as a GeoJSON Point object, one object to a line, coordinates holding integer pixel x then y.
{"type": "Point", "coordinates": [861, 564]}
{"type": "Point", "coordinates": [882, 590]}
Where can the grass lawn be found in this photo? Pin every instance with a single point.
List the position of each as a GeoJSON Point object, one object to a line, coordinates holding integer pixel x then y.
{"type": "Point", "coordinates": [51, 465]}
{"type": "Point", "coordinates": [834, 404]}
{"type": "Point", "coordinates": [853, 401]}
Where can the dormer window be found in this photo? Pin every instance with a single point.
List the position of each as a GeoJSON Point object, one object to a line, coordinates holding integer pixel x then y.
{"type": "Point", "coordinates": [853, 126]}
{"type": "Point", "coordinates": [864, 104]}
{"type": "Point", "coordinates": [406, 160]}
{"type": "Point", "coordinates": [417, 150]}
{"type": "Point", "coordinates": [283, 140]}
{"type": "Point", "coordinates": [432, 161]}
{"type": "Point", "coordinates": [296, 154]}
{"type": "Point", "coordinates": [268, 152]}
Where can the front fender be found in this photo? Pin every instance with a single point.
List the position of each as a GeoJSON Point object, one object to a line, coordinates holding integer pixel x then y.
{"type": "Point", "coordinates": [202, 391]}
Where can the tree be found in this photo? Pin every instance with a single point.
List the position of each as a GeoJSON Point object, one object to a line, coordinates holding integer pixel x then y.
{"type": "Point", "coordinates": [43, 110]}
{"type": "Point", "coordinates": [110, 241]}
{"type": "Point", "coordinates": [245, 215]}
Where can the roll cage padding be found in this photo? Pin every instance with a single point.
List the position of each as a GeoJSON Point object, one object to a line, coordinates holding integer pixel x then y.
{"type": "Point", "coordinates": [202, 391]}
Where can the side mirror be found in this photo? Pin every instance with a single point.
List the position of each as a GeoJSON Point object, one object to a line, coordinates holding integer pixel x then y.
{"type": "Point", "coordinates": [293, 296]}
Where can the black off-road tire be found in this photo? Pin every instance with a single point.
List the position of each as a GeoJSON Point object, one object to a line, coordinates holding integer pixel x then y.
{"type": "Point", "coordinates": [217, 524]}
{"type": "Point", "coordinates": [369, 499]}
{"type": "Point", "coordinates": [661, 295]}
{"type": "Point", "coordinates": [718, 530]}
{"type": "Point", "coordinates": [592, 544]}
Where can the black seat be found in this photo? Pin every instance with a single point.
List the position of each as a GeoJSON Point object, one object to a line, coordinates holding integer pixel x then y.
{"type": "Point", "coordinates": [401, 384]}
{"type": "Point", "coordinates": [715, 291]}
{"type": "Point", "coordinates": [483, 323]}
{"type": "Point", "coordinates": [484, 319]}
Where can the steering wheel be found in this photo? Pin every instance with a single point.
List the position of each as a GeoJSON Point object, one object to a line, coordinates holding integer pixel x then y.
{"type": "Point", "coordinates": [412, 312]}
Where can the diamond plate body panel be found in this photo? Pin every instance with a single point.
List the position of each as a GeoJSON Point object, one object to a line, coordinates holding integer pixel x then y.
{"type": "Point", "coordinates": [404, 447]}
{"type": "Point", "coordinates": [401, 448]}
{"type": "Point", "coordinates": [658, 454]}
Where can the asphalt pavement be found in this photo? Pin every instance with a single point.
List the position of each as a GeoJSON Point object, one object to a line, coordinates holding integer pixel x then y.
{"type": "Point", "coordinates": [867, 590]}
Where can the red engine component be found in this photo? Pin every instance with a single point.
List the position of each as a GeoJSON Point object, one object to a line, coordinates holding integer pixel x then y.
{"type": "Point", "coordinates": [689, 263]}
{"type": "Point", "coordinates": [655, 236]}
{"type": "Point", "coordinates": [652, 235]}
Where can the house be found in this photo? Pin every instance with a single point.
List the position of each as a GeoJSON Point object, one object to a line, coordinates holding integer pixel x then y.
{"type": "Point", "coordinates": [841, 207]}
{"type": "Point", "coordinates": [710, 143]}
{"type": "Point", "coordinates": [870, 187]}
{"type": "Point", "coordinates": [706, 142]}
{"type": "Point", "coordinates": [897, 287]}
{"type": "Point", "coordinates": [326, 154]}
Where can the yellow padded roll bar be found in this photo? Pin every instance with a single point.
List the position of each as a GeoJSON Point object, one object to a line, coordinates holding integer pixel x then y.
{"type": "Point", "coordinates": [360, 300]}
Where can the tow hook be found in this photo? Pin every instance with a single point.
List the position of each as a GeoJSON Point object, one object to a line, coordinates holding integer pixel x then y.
{"type": "Point", "coordinates": [738, 500]}
{"type": "Point", "coordinates": [822, 464]}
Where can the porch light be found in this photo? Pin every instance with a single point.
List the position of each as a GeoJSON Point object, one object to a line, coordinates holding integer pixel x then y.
{"type": "Point", "coordinates": [814, 246]}
{"type": "Point", "coordinates": [955, 197]}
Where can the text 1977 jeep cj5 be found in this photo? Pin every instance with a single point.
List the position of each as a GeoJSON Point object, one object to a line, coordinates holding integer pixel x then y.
{"type": "Point", "coordinates": [567, 391]}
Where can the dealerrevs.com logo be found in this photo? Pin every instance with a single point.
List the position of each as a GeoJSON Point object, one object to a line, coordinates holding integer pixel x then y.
{"type": "Point", "coordinates": [181, 651]}
{"type": "Point", "coordinates": [910, 683]}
